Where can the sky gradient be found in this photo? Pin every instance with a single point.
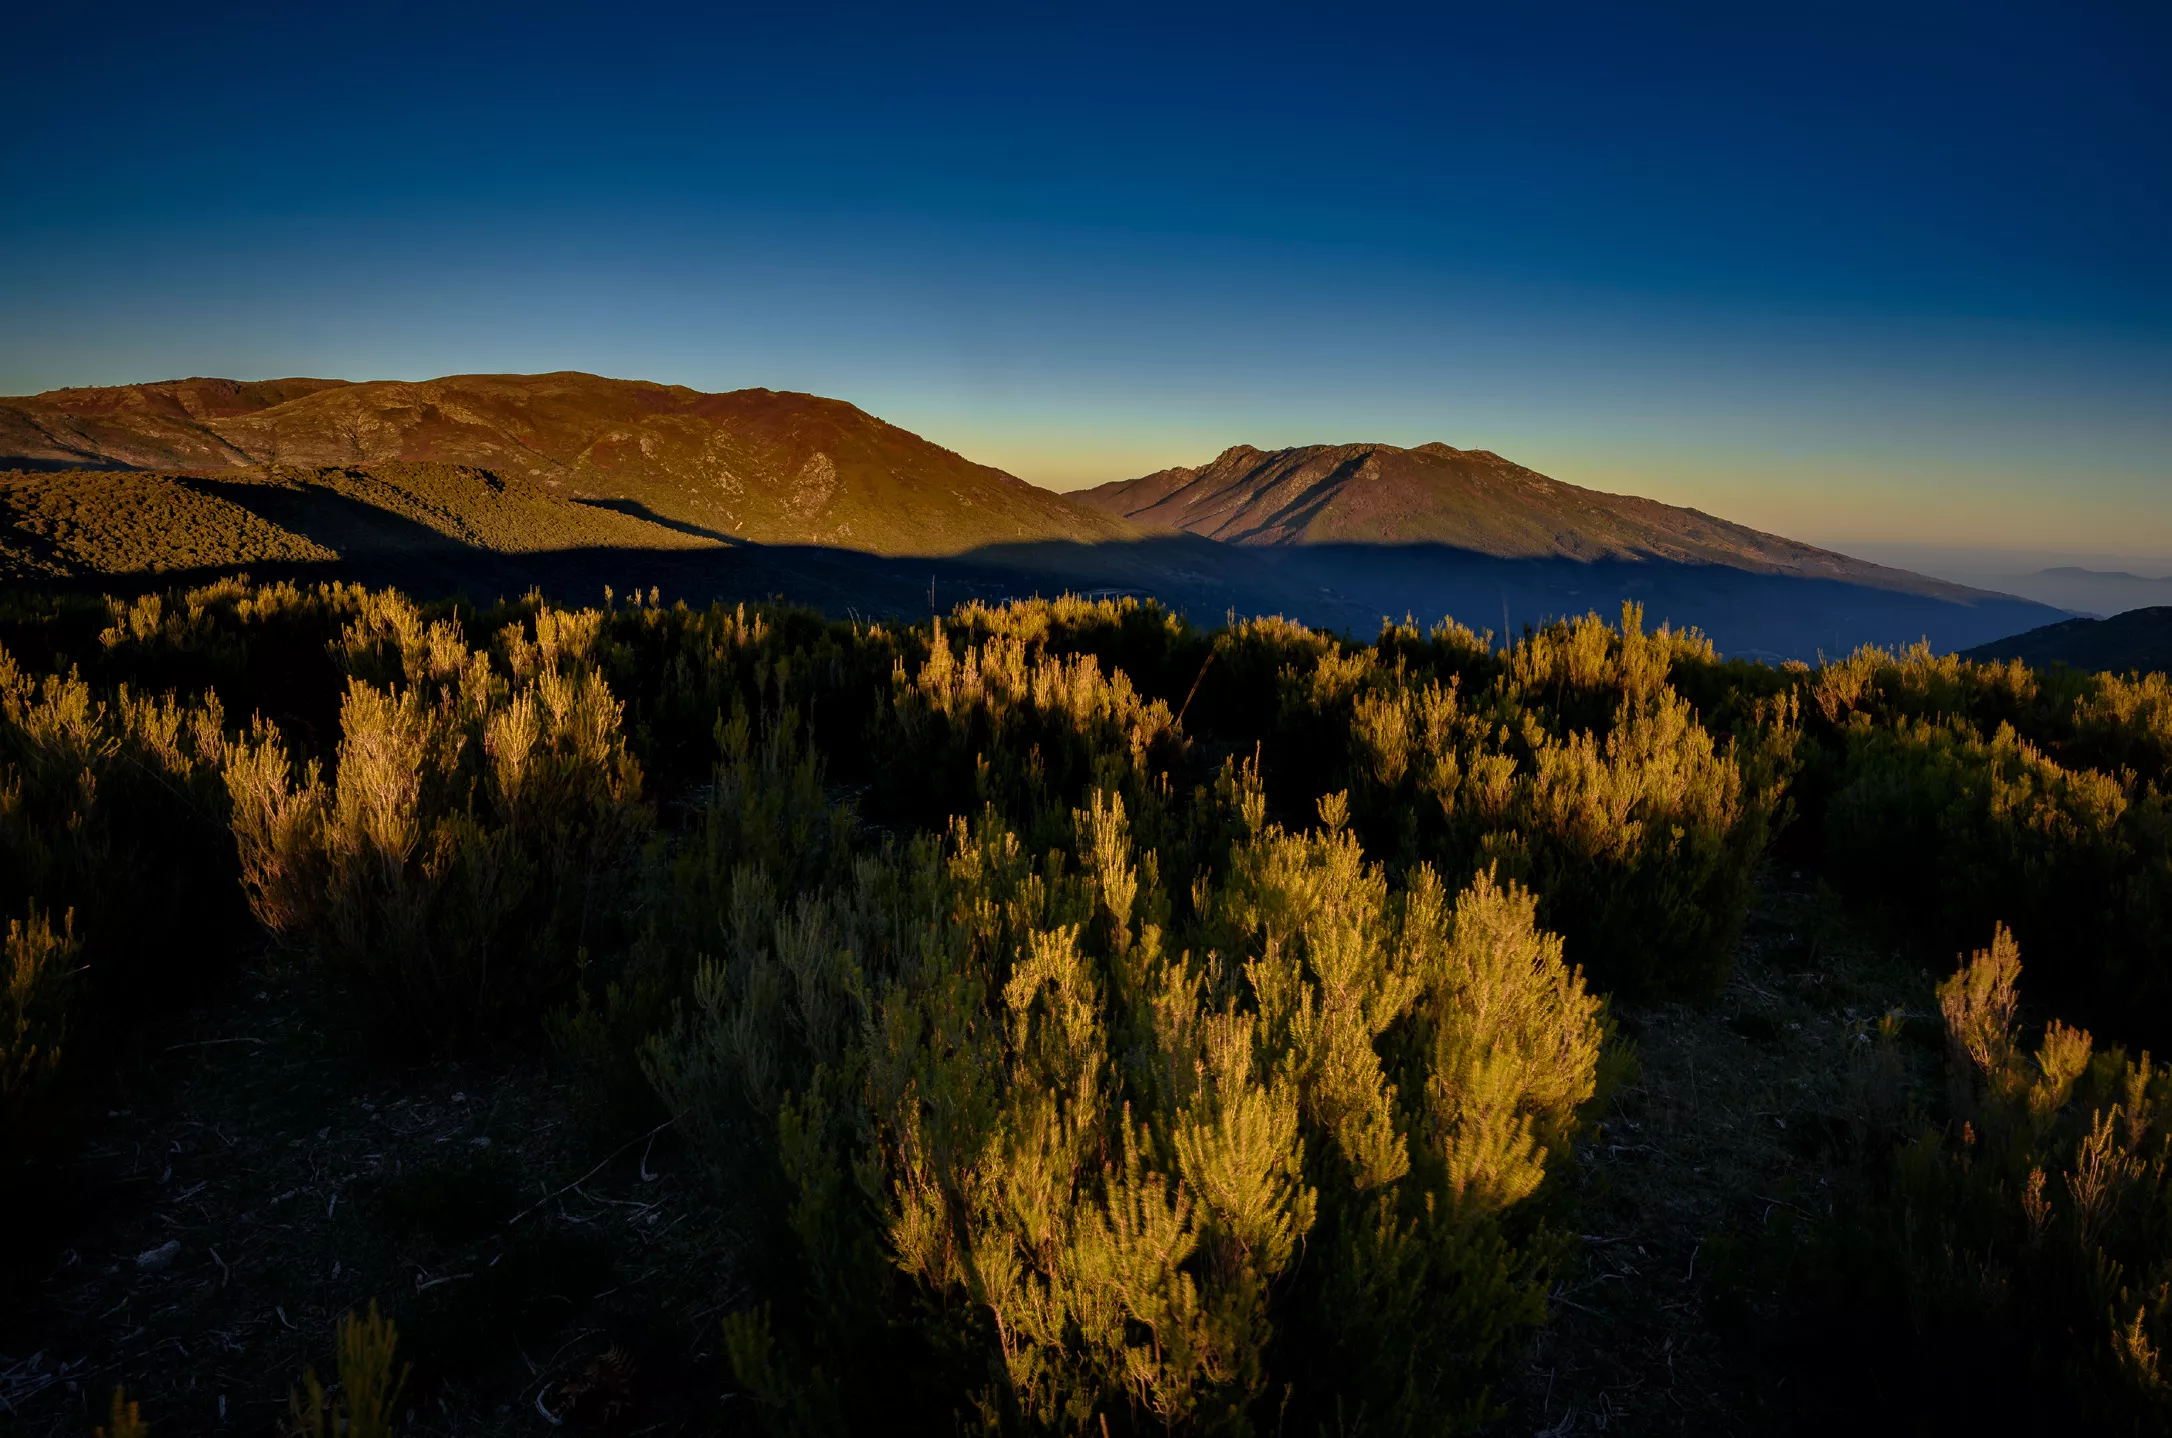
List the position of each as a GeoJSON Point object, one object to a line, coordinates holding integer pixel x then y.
{"type": "Point", "coordinates": [1858, 275]}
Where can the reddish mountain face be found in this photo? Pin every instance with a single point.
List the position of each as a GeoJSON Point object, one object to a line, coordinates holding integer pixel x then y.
{"type": "Point", "coordinates": [756, 464]}
{"type": "Point", "coordinates": [1467, 499]}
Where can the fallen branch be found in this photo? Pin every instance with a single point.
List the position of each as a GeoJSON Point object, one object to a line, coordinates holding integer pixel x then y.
{"type": "Point", "coordinates": [599, 1168]}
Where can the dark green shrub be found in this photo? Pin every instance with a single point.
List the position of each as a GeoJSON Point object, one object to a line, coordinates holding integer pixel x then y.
{"type": "Point", "coordinates": [2004, 1261]}
{"type": "Point", "coordinates": [1954, 831]}
{"type": "Point", "coordinates": [474, 836]}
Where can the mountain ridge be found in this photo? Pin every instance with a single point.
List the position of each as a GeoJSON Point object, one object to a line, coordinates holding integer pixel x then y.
{"type": "Point", "coordinates": [768, 465]}
{"type": "Point", "coordinates": [1471, 499]}
{"type": "Point", "coordinates": [567, 479]}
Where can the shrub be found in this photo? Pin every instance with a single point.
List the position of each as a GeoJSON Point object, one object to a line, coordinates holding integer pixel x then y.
{"type": "Point", "coordinates": [1034, 1160]}
{"type": "Point", "coordinates": [473, 835]}
{"type": "Point", "coordinates": [2008, 1263]}
{"type": "Point", "coordinates": [1953, 830]}
{"type": "Point", "coordinates": [1568, 760]}
{"type": "Point", "coordinates": [38, 965]}
{"type": "Point", "coordinates": [369, 1384]}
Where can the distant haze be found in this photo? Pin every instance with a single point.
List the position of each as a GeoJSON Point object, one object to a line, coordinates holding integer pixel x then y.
{"type": "Point", "coordinates": [2085, 581]}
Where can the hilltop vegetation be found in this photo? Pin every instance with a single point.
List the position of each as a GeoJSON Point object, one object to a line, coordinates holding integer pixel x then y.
{"type": "Point", "coordinates": [1056, 1015]}
{"type": "Point", "coordinates": [775, 468]}
{"type": "Point", "coordinates": [74, 525]}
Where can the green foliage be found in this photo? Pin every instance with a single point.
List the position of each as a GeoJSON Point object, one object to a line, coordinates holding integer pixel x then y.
{"type": "Point", "coordinates": [2009, 1261]}
{"type": "Point", "coordinates": [125, 1419]}
{"type": "Point", "coordinates": [110, 805]}
{"type": "Point", "coordinates": [1958, 829]}
{"type": "Point", "coordinates": [471, 839]}
{"type": "Point", "coordinates": [1568, 760]}
{"type": "Point", "coordinates": [369, 1384]}
{"type": "Point", "coordinates": [1090, 1022]}
{"type": "Point", "coordinates": [1044, 1137]}
{"type": "Point", "coordinates": [33, 1012]}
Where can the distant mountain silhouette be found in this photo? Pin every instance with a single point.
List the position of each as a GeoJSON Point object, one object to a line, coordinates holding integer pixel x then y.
{"type": "Point", "coordinates": [2092, 592]}
{"type": "Point", "coordinates": [756, 464]}
{"type": "Point", "coordinates": [566, 481]}
{"type": "Point", "coordinates": [2140, 639]}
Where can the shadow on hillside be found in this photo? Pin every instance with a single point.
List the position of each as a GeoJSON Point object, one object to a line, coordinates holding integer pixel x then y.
{"type": "Point", "coordinates": [2138, 640]}
{"type": "Point", "coordinates": [1353, 587]}
{"type": "Point", "coordinates": [29, 465]}
{"type": "Point", "coordinates": [1347, 588]}
{"type": "Point", "coordinates": [635, 509]}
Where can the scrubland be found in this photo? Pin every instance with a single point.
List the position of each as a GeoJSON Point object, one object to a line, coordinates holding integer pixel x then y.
{"type": "Point", "coordinates": [1060, 1018]}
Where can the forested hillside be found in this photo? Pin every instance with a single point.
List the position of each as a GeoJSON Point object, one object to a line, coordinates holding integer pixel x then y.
{"type": "Point", "coordinates": [1057, 1016]}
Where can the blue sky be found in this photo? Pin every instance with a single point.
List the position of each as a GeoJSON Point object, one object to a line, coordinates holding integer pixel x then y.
{"type": "Point", "coordinates": [1857, 274]}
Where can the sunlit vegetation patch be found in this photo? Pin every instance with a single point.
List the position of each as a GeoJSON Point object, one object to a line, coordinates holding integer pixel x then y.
{"type": "Point", "coordinates": [76, 522]}
{"type": "Point", "coordinates": [1087, 1022]}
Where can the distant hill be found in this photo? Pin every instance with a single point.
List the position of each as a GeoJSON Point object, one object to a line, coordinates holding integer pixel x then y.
{"type": "Point", "coordinates": [2140, 639]}
{"type": "Point", "coordinates": [1469, 499]}
{"type": "Point", "coordinates": [777, 468]}
{"type": "Point", "coordinates": [493, 483]}
{"type": "Point", "coordinates": [1437, 529]}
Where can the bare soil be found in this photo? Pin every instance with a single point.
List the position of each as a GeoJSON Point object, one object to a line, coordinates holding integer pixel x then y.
{"type": "Point", "coordinates": [262, 1180]}
{"type": "Point", "coordinates": [1734, 1117]}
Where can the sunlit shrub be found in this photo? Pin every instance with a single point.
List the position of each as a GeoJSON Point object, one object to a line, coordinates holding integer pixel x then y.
{"type": "Point", "coordinates": [36, 968]}
{"type": "Point", "coordinates": [472, 836]}
{"type": "Point", "coordinates": [1043, 1140]}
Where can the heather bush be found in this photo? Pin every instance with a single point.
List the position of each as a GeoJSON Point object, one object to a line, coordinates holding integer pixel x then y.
{"type": "Point", "coordinates": [474, 833]}
{"type": "Point", "coordinates": [1001, 722]}
{"type": "Point", "coordinates": [38, 965]}
{"type": "Point", "coordinates": [111, 806]}
{"type": "Point", "coordinates": [1955, 831]}
{"type": "Point", "coordinates": [1041, 1139]}
{"type": "Point", "coordinates": [2006, 1258]}
{"type": "Point", "coordinates": [2125, 723]}
{"type": "Point", "coordinates": [1567, 760]}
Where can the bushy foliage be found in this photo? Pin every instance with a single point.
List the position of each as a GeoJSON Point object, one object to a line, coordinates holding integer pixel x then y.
{"type": "Point", "coordinates": [1957, 830]}
{"type": "Point", "coordinates": [367, 1405]}
{"type": "Point", "coordinates": [117, 880]}
{"type": "Point", "coordinates": [2009, 1261]}
{"type": "Point", "coordinates": [1092, 1022]}
{"type": "Point", "coordinates": [36, 964]}
{"type": "Point", "coordinates": [1568, 760]}
{"type": "Point", "coordinates": [1044, 1139]}
{"type": "Point", "coordinates": [467, 845]}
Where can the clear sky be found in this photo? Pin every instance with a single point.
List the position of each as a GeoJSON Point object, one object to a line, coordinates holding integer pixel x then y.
{"type": "Point", "coordinates": [1880, 273]}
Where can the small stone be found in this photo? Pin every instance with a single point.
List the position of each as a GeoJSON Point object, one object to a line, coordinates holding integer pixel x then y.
{"type": "Point", "coordinates": [151, 1260]}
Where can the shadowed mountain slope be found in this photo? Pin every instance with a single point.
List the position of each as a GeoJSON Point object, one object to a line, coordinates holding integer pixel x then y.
{"type": "Point", "coordinates": [755, 464]}
{"type": "Point", "coordinates": [2140, 639]}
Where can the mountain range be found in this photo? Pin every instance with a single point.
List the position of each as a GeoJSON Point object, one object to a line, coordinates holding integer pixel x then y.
{"type": "Point", "coordinates": [482, 481]}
